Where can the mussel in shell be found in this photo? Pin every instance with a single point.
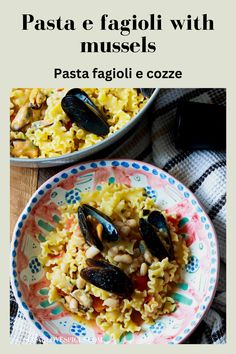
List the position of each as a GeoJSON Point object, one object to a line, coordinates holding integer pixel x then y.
{"type": "Point", "coordinates": [109, 231]}
{"type": "Point", "coordinates": [157, 219]}
{"type": "Point", "coordinates": [88, 231]}
{"type": "Point", "coordinates": [152, 240]}
{"type": "Point", "coordinates": [96, 226]}
{"type": "Point", "coordinates": [107, 277]}
{"type": "Point", "coordinates": [82, 111]}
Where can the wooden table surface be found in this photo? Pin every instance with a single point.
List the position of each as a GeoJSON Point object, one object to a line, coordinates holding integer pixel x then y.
{"type": "Point", "coordinates": [23, 183]}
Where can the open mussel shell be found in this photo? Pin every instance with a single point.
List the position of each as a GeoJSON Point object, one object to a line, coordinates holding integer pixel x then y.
{"type": "Point", "coordinates": [107, 277]}
{"type": "Point", "coordinates": [152, 240]}
{"type": "Point", "coordinates": [82, 95]}
{"type": "Point", "coordinates": [82, 111]}
{"type": "Point", "coordinates": [157, 219]}
{"type": "Point", "coordinates": [88, 231]}
{"type": "Point", "coordinates": [109, 232]}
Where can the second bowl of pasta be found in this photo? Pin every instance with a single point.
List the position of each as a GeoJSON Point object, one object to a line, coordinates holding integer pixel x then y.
{"type": "Point", "coordinates": [50, 127]}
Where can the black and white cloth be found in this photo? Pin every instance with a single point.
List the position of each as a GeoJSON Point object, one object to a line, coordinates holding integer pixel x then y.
{"type": "Point", "coordinates": [204, 172]}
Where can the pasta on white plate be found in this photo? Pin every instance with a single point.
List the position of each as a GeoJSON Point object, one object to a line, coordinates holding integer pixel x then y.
{"type": "Point", "coordinates": [41, 128]}
{"type": "Point", "coordinates": [119, 283]}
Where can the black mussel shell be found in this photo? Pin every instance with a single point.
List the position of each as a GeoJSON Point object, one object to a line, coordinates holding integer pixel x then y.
{"type": "Point", "coordinates": [147, 92]}
{"type": "Point", "coordinates": [81, 110]}
{"type": "Point", "coordinates": [152, 240]}
{"type": "Point", "coordinates": [109, 232]}
{"type": "Point", "coordinates": [82, 95]}
{"type": "Point", "coordinates": [87, 231]}
{"type": "Point", "coordinates": [157, 219]}
{"type": "Point", "coordinates": [111, 279]}
{"type": "Point", "coordinates": [91, 262]}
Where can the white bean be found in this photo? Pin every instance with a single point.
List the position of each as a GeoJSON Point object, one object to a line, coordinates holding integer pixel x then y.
{"type": "Point", "coordinates": [134, 266]}
{"type": "Point", "coordinates": [148, 256]}
{"type": "Point", "coordinates": [143, 269]}
{"type": "Point", "coordinates": [131, 223]}
{"type": "Point", "coordinates": [85, 300]}
{"type": "Point", "coordinates": [113, 303]}
{"type": "Point", "coordinates": [121, 248]}
{"type": "Point", "coordinates": [125, 230]}
{"type": "Point", "coordinates": [68, 298]}
{"type": "Point", "coordinates": [92, 252]}
{"type": "Point", "coordinates": [123, 258]}
{"type": "Point", "coordinates": [73, 305]}
{"type": "Point", "coordinates": [113, 251]}
{"type": "Point", "coordinates": [80, 283]}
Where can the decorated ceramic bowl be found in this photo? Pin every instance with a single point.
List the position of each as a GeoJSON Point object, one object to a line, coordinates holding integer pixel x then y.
{"type": "Point", "coordinates": [193, 294]}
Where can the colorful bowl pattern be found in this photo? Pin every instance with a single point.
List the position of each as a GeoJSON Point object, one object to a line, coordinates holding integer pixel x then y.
{"type": "Point", "coordinates": [199, 278]}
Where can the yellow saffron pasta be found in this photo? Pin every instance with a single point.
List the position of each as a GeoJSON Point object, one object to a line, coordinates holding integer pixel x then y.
{"type": "Point", "coordinates": [63, 255]}
{"type": "Point", "coordinates": [49, 129]}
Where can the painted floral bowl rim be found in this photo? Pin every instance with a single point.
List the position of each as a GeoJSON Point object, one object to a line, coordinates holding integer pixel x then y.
{"type": "Point", "coordinates": [99, 164]}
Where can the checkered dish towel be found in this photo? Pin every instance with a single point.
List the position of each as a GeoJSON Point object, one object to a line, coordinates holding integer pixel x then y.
{"type": "Point", "coordinates": [204, 172]}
